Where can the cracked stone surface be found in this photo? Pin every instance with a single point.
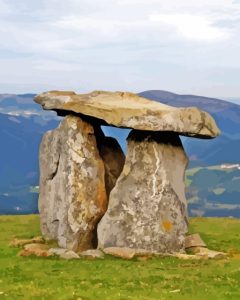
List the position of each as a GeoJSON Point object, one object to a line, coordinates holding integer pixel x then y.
{"type": "Point", "coordinates": [194, 240]}
{"type": "Point", "coordinates": [147, 207]}
{"type": "Point", "coordinates": [124, 109]}
{"type": "Point", "coordinates": [72, 186]}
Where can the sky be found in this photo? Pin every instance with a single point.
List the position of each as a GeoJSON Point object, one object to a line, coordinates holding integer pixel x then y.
{"type": "Point", "coordinates": [183, 46]}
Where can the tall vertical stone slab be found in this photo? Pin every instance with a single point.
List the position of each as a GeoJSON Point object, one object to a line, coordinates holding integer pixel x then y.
{"type": "Point", "coordinates": [72, 186]}
{"type": "Point", "coordinates": [147, 207]}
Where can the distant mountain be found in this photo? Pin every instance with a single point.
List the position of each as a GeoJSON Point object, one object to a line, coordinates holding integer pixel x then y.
{"type": "Point", "coordinates": [233, 100]}
{"type": "Point", "coordinates": [20, 137]}
{"type": "Point", "coordinates": [23, 122]}
{"type": "Point", "coordinates": [23, 105]}
{"type": "Point", "coordinates": [214, 191]}
{"type": "Point", "coordinates": [227, 115]}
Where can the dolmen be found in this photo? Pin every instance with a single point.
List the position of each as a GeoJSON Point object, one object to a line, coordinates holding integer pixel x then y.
{"type": "Point", "coordinates": [92, 196]}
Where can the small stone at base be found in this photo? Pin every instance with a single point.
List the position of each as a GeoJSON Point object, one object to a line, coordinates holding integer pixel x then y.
{"type": "Point", "coordinates": [123, 252]}
{"type": "Point", "coordinates": [207, 253]}
{"type": "Point", "coordinates": [92, 253]}
{"type": "Point", "coordinates": [35, 249]}
{"type": "Point", "coordinates": [69, 255]}
{"type": "Point", "coordinates": [57, 251]}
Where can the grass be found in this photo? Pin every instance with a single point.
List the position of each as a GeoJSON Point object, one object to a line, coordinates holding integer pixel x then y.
{"type": "Point", "coordinates": [112, 278]}
{"type": "Point", "coordinates": [192, 171]}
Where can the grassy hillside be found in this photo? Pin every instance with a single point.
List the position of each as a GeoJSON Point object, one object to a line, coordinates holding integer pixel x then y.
{"type": "Point", "coordinates": [213, 191]}
{"type": "Point", "coordinates": [223, 149]}
{"type": "Point", "coordinates": [110, 279]}
{"type": "Point", "coordinates": [210, 191]}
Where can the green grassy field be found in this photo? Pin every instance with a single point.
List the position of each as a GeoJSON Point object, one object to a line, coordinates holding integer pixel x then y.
{"type": "Point", "coordinates": [112, 278]}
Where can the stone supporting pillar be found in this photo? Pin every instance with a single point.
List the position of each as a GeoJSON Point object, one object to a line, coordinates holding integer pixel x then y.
{"type": "Point", "coordinates": [147, 207]}
{"type": "Point", "coordinates": [72, 185]}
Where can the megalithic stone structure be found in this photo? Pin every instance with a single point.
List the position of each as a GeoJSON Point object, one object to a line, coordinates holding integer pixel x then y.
{"type": "Point", "coordinates": [140, 202]}
{"type": "Point", "coordinates": [147, 207]}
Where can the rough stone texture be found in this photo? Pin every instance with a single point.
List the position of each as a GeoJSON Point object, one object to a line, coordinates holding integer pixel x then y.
{"type": "Point", "coordinates": [72, 189]}
{"type": "Point", "coordinates": [184, 256]}
{"type": "Point", "coordinates": [206, 253]}
{"type": "Point", "coordinates": [129, 110]}
{"type": "Point", "coordinates": [194, 240]}
{"type": "Point", "coordinates": [123, 252]}
{"type": "Point", "coordinates": [35, 249]}
{"type": "Point", "coordinates": [92, 253]}
{"type": "Point", "coordinates": [57, 251]}
{"type": "Point", "coordinates": [69, 255]}
{"type": "Point", "coordinates": [147, 207]}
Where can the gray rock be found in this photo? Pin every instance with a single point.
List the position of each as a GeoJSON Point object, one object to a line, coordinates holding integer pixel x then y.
{"type": "Point", "coordinates": [36, 249]}
{"type": "Point", "coordinates": [194, 240]}
{"type": "Point", "coordinates": [72, 189]}
{"type": "Point", "coordinates": [123, 252]}
{"type": "Point", "coordinates": [124, 109]}
{"type": "Point", "coordinates": [57, 251]}
{"type": "Point", "coordinates": [206, 253]}
{"type": "Point", "coordinates": [92, 253]}
{"type": "Point", "coordinates": [69, 255]}
{"type": "Point", "coordinates": [147, 207]}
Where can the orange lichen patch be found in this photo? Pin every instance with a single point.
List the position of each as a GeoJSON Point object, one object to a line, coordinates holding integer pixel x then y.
{"type": "Point", "coordinates": [236, 256]}
{"type": "Point", "coordinates": [36, 249]}
{"type": "Point", "coordinates": [167, 225]}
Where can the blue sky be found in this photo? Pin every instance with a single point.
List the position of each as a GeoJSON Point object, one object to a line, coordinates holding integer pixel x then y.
{"type": "Point", "coordinates": [183, 46]}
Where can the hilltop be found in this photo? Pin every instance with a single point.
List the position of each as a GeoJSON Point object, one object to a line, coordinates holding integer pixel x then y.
{"type": "Point", "coordinates": [22, 124]}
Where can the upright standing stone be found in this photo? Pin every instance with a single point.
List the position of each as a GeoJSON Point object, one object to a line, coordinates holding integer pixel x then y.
{"type": "Point", "coordinates": [147, 207]}
{"type": "Point", "coordinates": [72, 188]}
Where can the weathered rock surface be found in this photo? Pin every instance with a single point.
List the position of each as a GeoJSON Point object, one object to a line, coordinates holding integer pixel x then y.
{"type": "Point", "coordinates": [92, 253]}
{"type": "Point", "coordinates": [69, 255]}
{"type": "Point", "coordinates": [57, 251]}
{"type": "Point", "coordinates": [72, 188]}
{"type": "Point", "coordinates": [129, 110]}
{"type": "Point", "coordinates": [194, 240]}
{"type": "Point", "coordinates": [36, 249]}
{"type": "Point", "coordinates": [206, 253]}
{"type": "Point", "coordinates": [185, 256]}
{"type": "Point", "coordinates": [80, 168]}
{"type": "Point", "coordinates": [147, 207]}
{"type": "Point", "coordinates": [123, 252]}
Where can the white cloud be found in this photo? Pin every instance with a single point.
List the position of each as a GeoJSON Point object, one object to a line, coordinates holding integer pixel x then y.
{"type": "Point", "coordinates": [52, 65]}
{"type": "Point", "coordinates": [4, 8]}
{"type": "Point", "coordinates": [117, 44]}
{"type": "Point", "coordinates": [194, 27]}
